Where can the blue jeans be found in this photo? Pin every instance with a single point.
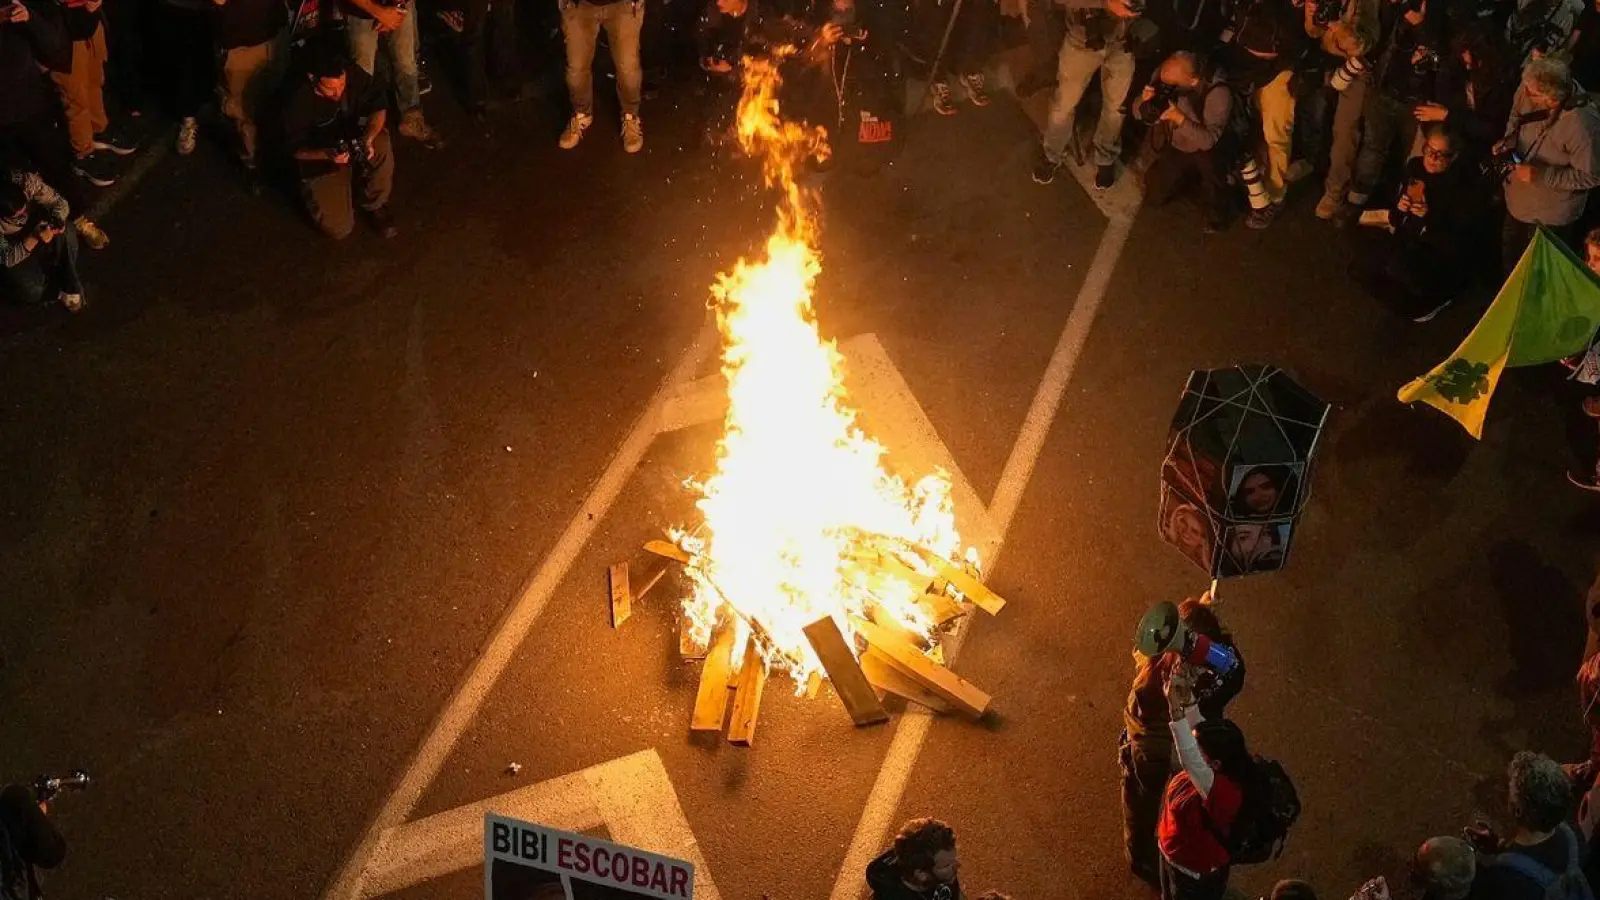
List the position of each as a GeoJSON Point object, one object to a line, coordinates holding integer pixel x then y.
{"type": "Point", "coordinates": [1074, 68]}
{"type": "Point", "coordinates": [401, 46]}
{"type": "Point", "coordinates": [580, 24]}
{"type": "Point", "coordinates": [49, 270]}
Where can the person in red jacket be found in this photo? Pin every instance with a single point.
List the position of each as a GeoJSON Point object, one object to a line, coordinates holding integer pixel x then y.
{"type": "Point", "coordinates": [1203, 800]}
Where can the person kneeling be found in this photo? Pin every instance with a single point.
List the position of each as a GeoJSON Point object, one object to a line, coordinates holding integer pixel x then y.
{"type": "Point", "coordinates": [334, 125]}
{"type": "Point", "coordinates": [39, 251]}
{"type": "Point", "coordinates": [1188, 105]}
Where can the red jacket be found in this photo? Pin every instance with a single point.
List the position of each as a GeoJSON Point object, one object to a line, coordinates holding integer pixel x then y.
{"type": "Point", "coordinates": [1187, 840]}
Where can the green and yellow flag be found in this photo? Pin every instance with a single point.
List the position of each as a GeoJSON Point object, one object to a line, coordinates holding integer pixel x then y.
{"type": "Point", "coordinates": [1547, 310]}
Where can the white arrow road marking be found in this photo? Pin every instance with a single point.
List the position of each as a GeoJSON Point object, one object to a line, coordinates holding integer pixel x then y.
{"type": "Point", "coordinates": [631, 798]}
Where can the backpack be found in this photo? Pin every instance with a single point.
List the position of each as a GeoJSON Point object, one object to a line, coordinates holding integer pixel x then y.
{"type": "Point", "coordinates": [1270, 806]}
{"type": "Point", "coordinates": [1568, 885]}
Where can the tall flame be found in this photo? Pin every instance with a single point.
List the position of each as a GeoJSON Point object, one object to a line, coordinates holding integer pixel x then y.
{"type": "Point", "coordinates": [799, 493]}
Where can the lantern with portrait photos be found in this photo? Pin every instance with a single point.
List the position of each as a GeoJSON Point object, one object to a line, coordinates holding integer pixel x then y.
{"type": "Point", "coordinates": [1238, 468]}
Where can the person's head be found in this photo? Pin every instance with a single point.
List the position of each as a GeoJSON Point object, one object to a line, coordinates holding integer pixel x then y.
{"type": "Point", "coordinates": [1547, 83]}
{"type": "Point", "coordinates": [1444, 867]}
{"type": "Point", "coordinates": [1292, 889]}
{"type": "Point", "coordinates": [1591, 255]}
{"type": "Point", "coordinates": [1200, 616]}
{"type": "Point", "coordinates": [329, 70]}
{"type": "Point", "coordinates": [1539, 793]}
{"type": "Point", "coordinates": [1224, 747]}
{"type": "Point", "coordinates": [1180, 70]}
{"type": "Point", "coordinates": [1260, 489]}
{"type": "Point", "coordinates": [925, 851]}
{"type": "Point", "coordinates": [1249, 540]}
{"type": "Point", "coordinates": [733, 8]}
{"type": "Point", "coordinates": [1438, 149]}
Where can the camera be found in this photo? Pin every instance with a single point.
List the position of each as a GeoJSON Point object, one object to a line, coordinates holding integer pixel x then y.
{"type": "Point", "coordinates": [1152, 109]}
{"type": "Point", "coordinates": [1346, 75]}
{"type": "Point", "coordinates": [1327, 13]}
{"type": "Point", "coordinates": [46, 787]}
{"type": "Point", "coordinates": [1498, 168]}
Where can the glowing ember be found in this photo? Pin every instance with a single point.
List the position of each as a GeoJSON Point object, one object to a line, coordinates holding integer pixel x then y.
{"type": "Point", "coordinates": [800, 497]}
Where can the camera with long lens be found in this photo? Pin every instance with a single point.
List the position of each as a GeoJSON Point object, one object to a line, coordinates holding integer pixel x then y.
{"type": "Point", "coordinates": [46, 787]}
{"type": "Point", "coordinates": [1346, 75]}
{"type": "Point", "coordinates": [1152, 109]}
{"type": "Point", "coordinates": [1497, 168]}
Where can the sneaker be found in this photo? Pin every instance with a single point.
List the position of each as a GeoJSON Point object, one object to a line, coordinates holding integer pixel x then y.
{"type": "Point", "coordinates": [943, 103]}
{"type": "Point", "coordinates": [576, 126]}
{"type": "Point", "coordinates": [415, 127]}
{"type": "Point", "coordinates": [1428, 316]}
{"type": "Point", "coordinates": [975, 89]}
{"type": "Point", "coordinates": [383, 222]}
{"type": "Point", "coordinates": [1329, 206]}
{"type": "Point", "coordinates": [632, 133]}
{"type": "Point", "coordinates": [1357, 199]}
{"type": "Point", "coordinates": [96, 168]}
{"type": "Point", "coordinates": [1585, 481]}
{"type": "Point", "coordinates": [73, 302]}
{"type": "Point", "coordinates": [1261, 218]}
{"type": "Point", "coordinates": [187, 132]}
{"type": "Point", "coordinates": [1298, 171]}
{"type": "Point", "coordinates": [1105, 176]}
{"type": "Point", "coordinates": [114, 141]}
{"type": "Point", "coordinates": [91, 233]}
{"type": "Point", "coordinates": [1044, 169]}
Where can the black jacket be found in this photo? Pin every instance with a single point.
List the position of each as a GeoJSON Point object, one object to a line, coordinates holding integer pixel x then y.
{"type": "Point", "coordinates": [883, 876]}
{"type": "Point", "coordinates": [40, 41]}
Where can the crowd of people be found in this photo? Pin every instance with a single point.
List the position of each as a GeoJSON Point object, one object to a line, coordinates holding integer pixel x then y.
{"type": "Point", "coordinates": [1197, 802]}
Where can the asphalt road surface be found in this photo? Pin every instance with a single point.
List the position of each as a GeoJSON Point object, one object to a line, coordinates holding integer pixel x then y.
{"type": "Point", "coordinates": [271, 496]}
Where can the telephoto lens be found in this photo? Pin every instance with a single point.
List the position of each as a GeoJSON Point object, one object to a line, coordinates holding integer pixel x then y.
{"type": "Point", "coordinates": [1346, 75]}
{"type": "Point", "coordinates": [1151, 110]}
{"type": "Point", "coordinates": [1254, 188]}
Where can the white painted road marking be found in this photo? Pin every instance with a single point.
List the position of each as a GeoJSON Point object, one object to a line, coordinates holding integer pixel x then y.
{"type": "Point", "coordinates": [631, 798]}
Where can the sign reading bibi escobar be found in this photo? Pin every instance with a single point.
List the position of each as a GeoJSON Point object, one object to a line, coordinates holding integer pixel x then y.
{"type": "Point", "coordinates": [524, 861]}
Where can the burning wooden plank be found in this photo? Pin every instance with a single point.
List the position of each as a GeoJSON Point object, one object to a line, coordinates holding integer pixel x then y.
{"type": "Point", "coordinates": [910, 661]}
{"type": "Point", "coordinates": [885, 677]}
{"type": "Point", "coordinates": [688, 646]}
{"type": "Point", "coordinates": [621, 596]}
{"type": "Point", "coordinates": [711, 700]}
{"type": "Point", "coordinates": [852, 686]}
{"type": "Point", "coordinates": [747, 697]}
{"type": "Point", "coordinates": [668, 550]}
{"type": "Point", "coordinates": [973, 589]}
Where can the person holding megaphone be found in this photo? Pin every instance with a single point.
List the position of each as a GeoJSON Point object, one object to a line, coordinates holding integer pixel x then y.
{"type": "Point", "coordinates": [1168, 634]}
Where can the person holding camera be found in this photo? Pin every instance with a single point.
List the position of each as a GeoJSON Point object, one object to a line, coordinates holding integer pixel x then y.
{"type": "Point", "coordinates": [38, 250]}
{"type": "Point", "coordinates": [1345, 31]}
{"type": "Point", "coordinates": [1187, 107]}
{"type": "Point", "coordinates": [29, 841]}
{"type": "Point", "coordinates": [1097, 41]}
{"type": "Point", "coordinates": [1544, 856]}
{"type": "Point", "coordinates": [922, 864]}
{"type": "Point", "coordinates": [1443, 868]}
{"type": "Point", "coordinates": [334, 126]}
{"type": "Point", "coordinates": [1548, 155]}
{"type": "Point", "coordinates": [1268, 37]}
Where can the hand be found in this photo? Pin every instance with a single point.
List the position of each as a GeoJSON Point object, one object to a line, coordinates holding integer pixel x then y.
{"type": "Point", "coordinates": [339, 157]}
{"type": "Point", "coordinates": [1522, 173]}
{"type": "Point", "coordinates": [1416, 16]}
{"type": "Point", "coordinates": [1482, 839]}
{"type": "Point", "coordinates": [717, 66]}
{"type": "Point", "coordinates": [45, 232]}
{"type": "Point", "coordinates": [1180, 690]}
{"type": "Point", "coordinates": [831, 34]}
{"type": "Point", "coordinates": [1375, 889]}
{"type": "Point", "coordinates": [1403, 204]}
{"type": "Point", "coordinates": [454, 20]}
{"type": "Point", "coordinates": [370, 144]}
{"type": "Point", "coordinates": [1419, 208]}
{"type": "Point", "coordinates": [16, 13]}
{"type": "Point", "coordinates": [1172, 116]}
{"type": "Point", "coordinates": [1504, 145]}
{"type": "Point", "coordinates": [1430, 112]}
{"type": "Point", "coordinates": [389, 18]}
{"type": "Point", "coordinates": [1591, 407]}
{"type": "Point", "coordinates": [1148, 92]}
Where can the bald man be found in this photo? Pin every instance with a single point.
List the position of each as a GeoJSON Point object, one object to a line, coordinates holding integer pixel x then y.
{"type": "Point", "coordinates": [1189, 141]}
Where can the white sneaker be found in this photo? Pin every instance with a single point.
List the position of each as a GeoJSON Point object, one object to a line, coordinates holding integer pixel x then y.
{"type": "Point", "coordinates": [187, 132]}
{"type": "Point", "coordinates": [73, 302]}
{"type": "Point", "coordinates": [632, 133]}
{"type": "Point", "coordinates": [576, 126]}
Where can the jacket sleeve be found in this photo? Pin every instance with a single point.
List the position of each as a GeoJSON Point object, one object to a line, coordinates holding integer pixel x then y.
{"type": "Point", "coordinates": [1583, 172]}
{"type": "Point", "coordinates": [1203, 134]}
{"type": "Point", "coordinates": [43, 195]}
{"type": "Point", "coordinates": [1194, 762]}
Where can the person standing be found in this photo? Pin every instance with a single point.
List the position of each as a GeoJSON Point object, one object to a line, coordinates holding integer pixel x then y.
{"type": "Point", "coordinates": [1552, 132]}
{"type": "Point", "coordinates": [1097, 41]}
{"type": "Point", "coordinates": [250, 34]}
{"type": "Point", "coordinates": [392, 24]}
{"type": "Point", "coordinates": [1269, 36]}
{"type": "Point", "coordinates": [1202, 801]}
{"type": "Point", "coordinates": [971, 43]}
{"type": "Point", "coordinates": [1346, 42]}
{"type": "Point", "coordinates": [581, 22]}
{"type": "Point", "coordinates": [1543, 858]}
{"type": "Point", "coordinates": [82, 90]}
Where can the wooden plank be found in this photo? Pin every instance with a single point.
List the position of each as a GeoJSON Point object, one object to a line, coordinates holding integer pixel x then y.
{"type": "Point", "coordinates": [711, 700]}
{"type": "Point", "coordinates": [885, 677]}
{"type": "Point", "coordinates": [747, 697]}
{"type": "Point", "coordinates": [852, 686]}
{"type": "Point", "coordinates": [621, 596]}
{"type": "Point", "coordinates": [973, 589]}
{"type": "Point", "coordinates": [950, 687]}
{"type": "Point", "coordinates": [941, 607]}
{"type": "Point", "coordinates": [668, 550]}
{"type": "Point", "coordinates": [813, 685]}
{"type": "Point", "coordinates": [651, 582]}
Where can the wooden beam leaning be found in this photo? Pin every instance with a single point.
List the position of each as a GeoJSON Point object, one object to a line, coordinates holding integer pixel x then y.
{"type": "Point", "coordinates": [849, 682]}
{"type": "Point", "coordinates": [668, 550]}
{"type": "Point", "coordinates": [747, 697]}
{"type": "Point", "coordinates": [711, 700]}
{"type": "Point", "coordinates": [621, 596]}
{"type": "Point", "coordinates": [973, 589]}
{"type": "Point", "coordinates": [909, 661]}
{"type": "Point", "coordinates": [885, 677]}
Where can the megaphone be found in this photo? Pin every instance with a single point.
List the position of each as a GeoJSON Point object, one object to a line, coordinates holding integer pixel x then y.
{"type": "Point", "coordinates": [1162, 631]}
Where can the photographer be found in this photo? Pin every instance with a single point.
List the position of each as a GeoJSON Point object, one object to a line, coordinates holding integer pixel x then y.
{"type": "Point", "coordinates": [1443, 868]}
{"type": "Point", "coordinates": [1549, 154]}
{"type": "Point", "coordinates": [1404, 73]}
{"type": "Point", "coordinates": [1097, 41]}
{"type": "Point", "coordinates": [1188, 106]}
{"type": "Point", "coordinates": [1145, 751]}
{"type": "Point", "coordinates": [922, 864]}
{"type": "Point", "coordinates": [1543, 858]}
{"type": "Point", "coordinates": [334, 126]}
{"type": "Point", "coordinates": [28, 841]}
{"type": "Point", "coordinates": [38, 250]}
{"type": "Point", "coordinates": [1345, 43]}
{"type": "Point", "coordinates": [1269, 36]}
{"type": "Point", "coordinates": [1423, 260]}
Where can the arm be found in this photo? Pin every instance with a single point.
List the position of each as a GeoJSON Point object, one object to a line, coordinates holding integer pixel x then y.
{"type": "Point", "coordinates": [375, 124]}
{"type": "Point", "coordinates": [1581, 174]}
{"type": "Point", "coordinates": [41, 194]}
{"type": "Point", "coordinates": [1217, 104]}
{"type": "Point", "coordinates": [1194, 762]}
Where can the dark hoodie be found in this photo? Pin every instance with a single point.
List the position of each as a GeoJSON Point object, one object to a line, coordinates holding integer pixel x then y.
{"type": "Point", "coordinates": [883, 876]}
{"type": "Point", "coordinates": [39, 42]}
